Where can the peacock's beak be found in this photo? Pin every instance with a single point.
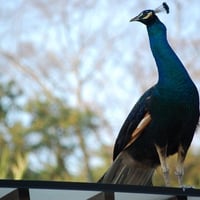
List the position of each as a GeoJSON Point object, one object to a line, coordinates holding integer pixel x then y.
{"type": "Point", "coordinates": [135, 19]}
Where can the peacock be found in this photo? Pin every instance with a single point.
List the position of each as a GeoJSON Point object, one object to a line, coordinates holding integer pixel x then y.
{"type": "Point", "coordinates": [163, 120]}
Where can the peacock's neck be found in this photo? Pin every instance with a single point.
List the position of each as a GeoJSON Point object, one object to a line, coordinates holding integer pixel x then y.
{"type": "Point", "coordinates": [171, 70]}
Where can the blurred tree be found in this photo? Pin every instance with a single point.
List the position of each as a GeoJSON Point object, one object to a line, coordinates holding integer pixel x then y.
{"type": "Point", "coordinates": [13, 152]}
{"type": "Point", "coordinates": [52, 48]}
{"type": "Point", "coordinates": [62, 138]}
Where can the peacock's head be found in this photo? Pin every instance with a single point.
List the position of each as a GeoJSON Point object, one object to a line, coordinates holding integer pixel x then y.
{"type": "Point", "coordinates": [147, 16]}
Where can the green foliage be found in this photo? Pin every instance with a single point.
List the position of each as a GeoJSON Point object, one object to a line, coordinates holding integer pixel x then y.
{"type": "Point", "coordinates": [61, 131]}
{"type": "Point", "coordinates": [4, 155]}
{"type": "Point", "coordinates": [57, 136]}
{"type": "Point", "coordinates": [12, 152]}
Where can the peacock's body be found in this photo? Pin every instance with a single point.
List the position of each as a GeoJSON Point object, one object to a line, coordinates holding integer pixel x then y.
{"type": "Point", "coordinates": [164, 119]}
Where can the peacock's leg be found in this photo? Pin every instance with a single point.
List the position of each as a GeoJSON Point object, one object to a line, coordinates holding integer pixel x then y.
{"type": "Point", "coordinates": [180, 165]}
{"type": "Point", "coordinates": [162, 153]}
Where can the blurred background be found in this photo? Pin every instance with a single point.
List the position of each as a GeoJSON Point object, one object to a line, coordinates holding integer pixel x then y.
{"type": "Point", "coordinates": [71, 70]}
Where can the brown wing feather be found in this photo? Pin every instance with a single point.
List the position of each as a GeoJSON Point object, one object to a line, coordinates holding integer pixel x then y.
{"type": "Point", "coordinates": [137, 132]}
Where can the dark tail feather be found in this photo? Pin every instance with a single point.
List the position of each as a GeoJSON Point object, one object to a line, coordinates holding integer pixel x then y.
{"type": "Point", "coordinates": [126, 170]}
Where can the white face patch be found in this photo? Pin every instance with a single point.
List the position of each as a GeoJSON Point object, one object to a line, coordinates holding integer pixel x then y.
{"type": "Point", "coordinates": [140, 15]}
{"type": "Point", "coordinates": [148, 15]}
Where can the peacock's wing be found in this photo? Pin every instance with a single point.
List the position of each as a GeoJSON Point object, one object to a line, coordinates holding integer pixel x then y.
{"type": "Point", "coordinates": [134, 124]}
